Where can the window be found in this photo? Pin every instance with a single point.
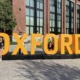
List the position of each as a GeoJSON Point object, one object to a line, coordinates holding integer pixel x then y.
{"type": "Point", "coordinates": [34, 23]}
{"type": "Point", "coordinates": [52, 15]}
{"type": "Point", "coordinates": [32, 3]}
{"type": "Point", "coordinates": [29, 16]}
{"type": "Point", "coordinates": [59, 16]}
{"type": "Point", "coordinates": [27, 2]}
{"type": "Point", "coordinates": [78, 19]}
{"type": "Point", "coordinates": [55, 16]}
{"type": "Point", "coordinates": [69, 17]}
{"type": "Point", "coordinates": [72, 17]}
{"type": "Point", "coordinates": [39, 11]}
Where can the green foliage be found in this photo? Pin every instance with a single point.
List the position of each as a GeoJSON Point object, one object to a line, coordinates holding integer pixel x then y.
{"type": "Point", "coordinates": [7, 21]}
{"type": "Point", "coordinates": [40, 46]}
{"type": "Point", "coordinates": [13, 43]}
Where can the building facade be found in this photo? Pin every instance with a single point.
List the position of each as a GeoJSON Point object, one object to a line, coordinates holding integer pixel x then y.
{"type": "Point", "coordinates": [47, 16]}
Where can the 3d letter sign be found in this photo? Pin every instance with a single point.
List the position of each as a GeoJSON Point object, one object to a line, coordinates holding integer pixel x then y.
{"type": "Point", "coordinates": [63, 43]}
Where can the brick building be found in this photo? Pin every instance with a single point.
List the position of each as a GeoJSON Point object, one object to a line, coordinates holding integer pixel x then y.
{"type": "Point", "coordinates": [44, 16]}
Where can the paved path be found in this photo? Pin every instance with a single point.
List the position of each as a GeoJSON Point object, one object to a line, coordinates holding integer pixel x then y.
{"type": "Point", "coordinates": [40, 70]}
{"type": "Point", "coordinates": [0, 59]}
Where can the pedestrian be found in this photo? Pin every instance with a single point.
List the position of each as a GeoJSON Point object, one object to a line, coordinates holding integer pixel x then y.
{"type": "Point", "coordinates": [1, 46]}
{"type": "Point", "coordinates": [50, 45]}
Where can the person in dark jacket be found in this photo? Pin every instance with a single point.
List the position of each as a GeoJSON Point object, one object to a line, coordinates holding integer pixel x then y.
{"type": "Point", "coordinates": [1, 46]}
{"type": "Point", "coordinates": [1, 43]}
{"type": "Point", "coordinates": [50, 46]}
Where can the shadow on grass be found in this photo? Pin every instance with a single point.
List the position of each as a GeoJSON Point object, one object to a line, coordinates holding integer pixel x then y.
{"type": "Point", "coordinates": [40, 70]}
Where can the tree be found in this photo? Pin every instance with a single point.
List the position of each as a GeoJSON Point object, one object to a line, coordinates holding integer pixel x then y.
{"type": "Point", "coordinates": [7, 20]}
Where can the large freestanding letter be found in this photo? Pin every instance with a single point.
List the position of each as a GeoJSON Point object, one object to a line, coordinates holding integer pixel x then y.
{"type": "Point", "coordinates": [6, 43]}
{"type": "Point", "coordinates": [76, 44]}
{"type": "Point", "coordinates": [34, 43]}
{"type": "Point", "coordinates": [20, 44]}
{"type": "Point", "coordinates": [65, 41]}
{"type": "Point", "coordinates": [55, 43]}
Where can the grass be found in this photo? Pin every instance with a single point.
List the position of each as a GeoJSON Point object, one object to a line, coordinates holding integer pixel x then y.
{"type": "Point", "coordinates": [27, 42]}
{"type": "Point", "coordinates": [14, 43]}
{"type": "Point", "coordinates": [40, 46]}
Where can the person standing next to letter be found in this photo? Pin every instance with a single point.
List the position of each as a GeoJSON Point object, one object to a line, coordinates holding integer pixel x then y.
{"type": "Point", "coordinates": [1, 47]}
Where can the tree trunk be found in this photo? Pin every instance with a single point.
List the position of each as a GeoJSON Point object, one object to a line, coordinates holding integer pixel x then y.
{"type": "Point", "coordinates": [4, 30]}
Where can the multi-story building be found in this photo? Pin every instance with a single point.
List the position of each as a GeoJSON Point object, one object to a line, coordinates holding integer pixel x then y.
{"type": "Point", "coordinates": [45, 16]}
